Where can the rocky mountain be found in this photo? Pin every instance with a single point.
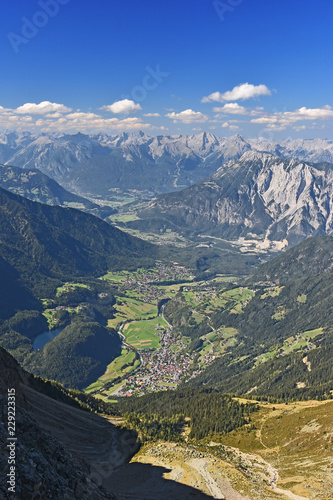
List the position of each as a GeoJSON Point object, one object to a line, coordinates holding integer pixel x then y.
{"type": "Point", "coordinates": [96, 164]}
{"type": "Point", "coordinates": [32, 184]}
{"type": "Point", "coordinates": [52, 154]}
{"type": "Point", "coordinates": [314, 150]}
{"type": "Point", "coordinates": [256, 197]}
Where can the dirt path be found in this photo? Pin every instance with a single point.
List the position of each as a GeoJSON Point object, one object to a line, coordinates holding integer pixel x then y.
{"type": "Point", "coordinates": [289, 494]}
{"type": "Point", "coordinates": [200, 465]}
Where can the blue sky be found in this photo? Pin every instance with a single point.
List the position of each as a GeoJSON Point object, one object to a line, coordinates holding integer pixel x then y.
{"type": "Point", "coordinates": [260, 68]}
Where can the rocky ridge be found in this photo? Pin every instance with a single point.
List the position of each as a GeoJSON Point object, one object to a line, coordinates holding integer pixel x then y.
{"type": "Point", "coordinates": [258, 196]}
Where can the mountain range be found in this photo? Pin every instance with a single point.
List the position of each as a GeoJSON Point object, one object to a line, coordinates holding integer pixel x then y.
{"type": "Point", "coordinates": [36, 186]}
{"type": "Point", "coordinates": [98, 164]}
{"type": "Point", "coordinates": [256, 197]}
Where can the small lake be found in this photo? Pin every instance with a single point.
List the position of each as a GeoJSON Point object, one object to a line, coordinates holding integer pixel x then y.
{"type": "Point", "coordinates": [45, 337]}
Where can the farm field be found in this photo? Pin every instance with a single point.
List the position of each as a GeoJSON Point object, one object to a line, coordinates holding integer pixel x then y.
{"type": "Point", "coordinates": [124, 364]}
{"type": "Point", "coordinates": [123, 217]}
{"type": "Point", "coordinates": [216, 342]}
{"type": "Point", "coordinates": [142, 334]}
{"type": "Point", "coordinates": [272, 292]}
{"type": "Point", "coordinates": [208, 302]}
{"type": "Point", "coordinates": [128, 308]}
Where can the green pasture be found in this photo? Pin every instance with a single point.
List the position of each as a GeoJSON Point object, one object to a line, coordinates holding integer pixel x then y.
{"type": "Point", "coordinates": [123, 217]}
{"type": "Point", "coordinates": [67, 287]}
{"type": "Point", "coordinates": [291, 344]}
{"type": "Point", "coordinates": [142, 334]}
{"type": "Point", "coordinates": [117, 368]}
{"type": "Point", "coordinates": [135, 309]}
{"type": "Point", "coordinates": [129, 308]}
{"type": "Point", "coordinates": [272, 292]}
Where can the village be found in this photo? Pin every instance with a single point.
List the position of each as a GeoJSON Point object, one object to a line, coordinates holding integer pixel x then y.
{"type": "Point", "coordinates": [143, 282]}
{"type": "Point", "coordinates": [160, 369]}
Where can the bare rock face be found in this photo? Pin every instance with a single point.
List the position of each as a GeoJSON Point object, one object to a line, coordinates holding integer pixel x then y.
{"type": "Point", "coordinates": [258, 195]}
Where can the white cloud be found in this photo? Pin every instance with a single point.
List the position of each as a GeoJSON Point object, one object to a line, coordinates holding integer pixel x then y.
{"type": "Point", "coordinates": [232, 108]}
{"type": "Point", "coordinates": [243, 91]}
{"type": "Point", "coordinates": [125, 106]}
{"type": "Point", "coordinates": [43, 108]}
{"type": "Point", "coordinates": [63, 121]}
{"type": "Point", "coordinates": [188, 116]}
{"type": "Point", "coordinates": [227, 125]}
{"type": "Point", "coordinates": [90, 121]}
{"type": "Point", "coordinates": [281, 120]}
{"type": "Point", "coordinates": [82, 116]}
{"type": "Point", "coordinates": [152, 114]}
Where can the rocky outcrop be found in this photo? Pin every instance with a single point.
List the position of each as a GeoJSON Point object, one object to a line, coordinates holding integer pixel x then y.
{"type": "Point", "coordinates": [259, 196]}
{"type": "Point", "coordinates": [136, 161]}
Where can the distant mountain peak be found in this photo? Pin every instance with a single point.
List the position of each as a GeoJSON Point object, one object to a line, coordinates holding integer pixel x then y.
{"type": "Point", "coordinates": [92, 164]}
{"type": "Point", "coordinates": [258, 194]}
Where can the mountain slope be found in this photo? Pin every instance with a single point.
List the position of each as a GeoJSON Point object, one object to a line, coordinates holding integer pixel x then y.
{"type": "Point", "coordinates": [257, 196]}
{"type": "Point", "coordinates": [285, 340]}
{"type": "Point", "coordinates": [63, 452]}
{"type": "Point", "coordinates": [313, 257]}
{"type": "Point", "coordinates": [14, 295]}
{"type": "Point", "coordinates": [41, 241]}
{"type": "Point", "coordinates": [35, 186]}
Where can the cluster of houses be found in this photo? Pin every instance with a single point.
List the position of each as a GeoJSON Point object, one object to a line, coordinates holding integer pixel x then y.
{"type": "Point", "coordinates": [143, 282]}
{"type": "Point", "coordinates": [161, 369]}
